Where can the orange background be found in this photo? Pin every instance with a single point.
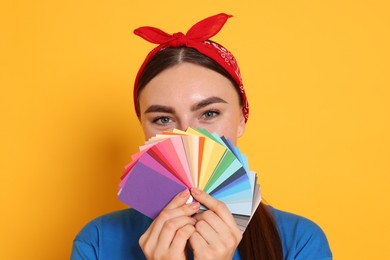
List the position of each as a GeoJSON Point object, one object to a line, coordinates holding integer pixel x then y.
{"type": "Point", "coordinates": [317, 77]}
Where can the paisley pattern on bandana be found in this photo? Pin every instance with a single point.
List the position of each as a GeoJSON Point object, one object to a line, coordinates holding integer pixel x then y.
{"type": "Point", "coordinates": [231, 61]}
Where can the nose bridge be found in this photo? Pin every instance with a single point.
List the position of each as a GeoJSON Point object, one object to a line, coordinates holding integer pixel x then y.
{"type": "Point", "coordinates": [185, 122]}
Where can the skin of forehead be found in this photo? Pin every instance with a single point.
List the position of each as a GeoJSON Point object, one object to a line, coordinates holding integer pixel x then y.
{"type": "Point", "coordinates": [199, 78]}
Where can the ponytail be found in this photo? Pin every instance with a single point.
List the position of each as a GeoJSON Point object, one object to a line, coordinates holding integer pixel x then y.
{"type": "Point", "coordinates": [261, 240]}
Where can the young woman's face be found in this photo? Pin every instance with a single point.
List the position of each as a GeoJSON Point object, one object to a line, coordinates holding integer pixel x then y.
{"type": "Point", "coordinates": [188, 95]}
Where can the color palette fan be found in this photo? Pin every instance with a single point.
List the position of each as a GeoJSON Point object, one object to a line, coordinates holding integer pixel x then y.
{"type": "Point", "coordinates": [173, 161]}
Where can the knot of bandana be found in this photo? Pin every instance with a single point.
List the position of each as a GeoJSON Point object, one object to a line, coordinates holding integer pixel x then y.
{"type": "Point", "coordinates": [179, 39]}
{"type": "Point", "coordinates": [197, 37]}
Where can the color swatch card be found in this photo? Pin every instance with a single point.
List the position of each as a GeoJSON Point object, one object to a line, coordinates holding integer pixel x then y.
{"type": "Point", "coordinates": [173, 161]}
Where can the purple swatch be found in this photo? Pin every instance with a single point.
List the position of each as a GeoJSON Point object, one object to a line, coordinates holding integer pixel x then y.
{"type": "Point", "coordinates": [148, 191]}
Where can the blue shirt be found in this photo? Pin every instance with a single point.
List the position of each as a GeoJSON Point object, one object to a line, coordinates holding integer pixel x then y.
{"type": "Point", "coordinates": [116, 235]}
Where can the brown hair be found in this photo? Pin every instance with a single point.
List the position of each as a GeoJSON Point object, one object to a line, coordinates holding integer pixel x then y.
{"type": "Point", "coordinates": [170, 57]}
{"type": "Point", "coordinates": [261, 239]}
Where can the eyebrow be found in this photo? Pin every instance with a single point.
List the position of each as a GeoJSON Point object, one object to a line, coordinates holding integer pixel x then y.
{"type": "Point", "coordinates": [206, 102]}
{"type": "Point", "coordinates": [160, 109]}
{"type": "Point", "coordinates": [197, 106]}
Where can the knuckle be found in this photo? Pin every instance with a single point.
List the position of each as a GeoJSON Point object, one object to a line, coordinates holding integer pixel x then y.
{"type": "Point", "coordinates": [227, 241]}
{"type": "Point", "coordinates": [200, 223]}
{"type": "Point", "coordinates": [181, 233]}
{"type": "Point", "coordinates": [144, 241]}
{"type": "Point", "coordinates": [146, 248]}
{"type": "Point", "coordinates": [141, 241]}
{"type": "Point", "coordinates": [164, 215]}
{"type": "Point", "coordinates": [208, 252]}
{"type": "Point", "coordinates": [192, 229]}
{"type": "Point", "coordinates": [238, 236]}
{"type": "Point", "coordinates": [220, 206]}
{"type": "Point", "coordinates": [189, 229]}
{"type": "Point", "coordinates": [156, 255]}
{"type": "Point", "coordinates": [170, 224]}
{"type": "Point", "coordinates": [220, 250]}
{"type": "Point", "coordinates": [208, 214]}
{"type": "Point", "coordinates": [230, 242]}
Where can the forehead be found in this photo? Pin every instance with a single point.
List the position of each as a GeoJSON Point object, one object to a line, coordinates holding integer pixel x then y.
{"type": "Point", "coordinates": [187, 81]}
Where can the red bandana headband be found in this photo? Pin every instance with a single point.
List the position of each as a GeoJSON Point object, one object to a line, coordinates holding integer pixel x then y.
{"type": "Point", "coordinates": [197, 37]}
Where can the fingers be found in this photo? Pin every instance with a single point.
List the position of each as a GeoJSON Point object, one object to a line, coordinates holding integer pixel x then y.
{"type": "Point", "coordinates": [173, 228]}
{"type": "Point", "coordinates": [178, 202]}
{"type": "Point", "coordinates": [213, 220]}
{"type": "Point", "coordinates": [167, 214]}
{"type": "Point", "coordinates": [208, 233]}
{"type": "Point", "coordinates": [181, 237]}
{"type": "Point", "coordinates": [153, 232]}
{"type": "Point", "coordinates": [216, 225]}
{"type": "Point", "coordinates": [213, 238]}
{"type": "Point", "coordinates": [213, 229]}
{"type": "Point", "coordinates": [197, 242]}
{"type": "Point", "coordinates": [214, 205]}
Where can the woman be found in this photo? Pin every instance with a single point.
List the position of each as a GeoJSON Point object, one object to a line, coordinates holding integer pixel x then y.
{"type": "Point", "coordinates": [190, 81]}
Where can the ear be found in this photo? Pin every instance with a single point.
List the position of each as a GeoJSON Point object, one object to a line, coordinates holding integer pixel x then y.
{"type": "Point", "coordinates": [241, 125]}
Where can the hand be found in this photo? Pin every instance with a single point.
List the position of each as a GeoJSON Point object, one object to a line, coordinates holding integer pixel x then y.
{"type": "Point", "coordinates": [217, 234]}
{"type": "Point", "coordinates": [167, 236]}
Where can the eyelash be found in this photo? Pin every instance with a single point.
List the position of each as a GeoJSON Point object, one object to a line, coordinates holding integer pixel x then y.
{"type": "Point", "coordinates": [214, 112]}
{"type": "Point", "coordinates": [157, 119]}
{"type": "Point", "coordinates": [204, 116]}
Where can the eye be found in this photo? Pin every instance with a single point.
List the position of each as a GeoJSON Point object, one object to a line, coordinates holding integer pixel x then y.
{"type": "Point", "coordinates": [163, 120]}
{"type": "Point", "coordinates": [210, 114]}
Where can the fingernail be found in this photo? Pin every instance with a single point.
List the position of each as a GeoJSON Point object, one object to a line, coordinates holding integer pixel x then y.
{"type": "Point", "coordinates": [195, 191]}
{"type": "Point", "coordinates": [194, 205]}
{"type": "Point", "coordinates": [193, 220]}
{"type": "Point", "coordinates": [185, 193]}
